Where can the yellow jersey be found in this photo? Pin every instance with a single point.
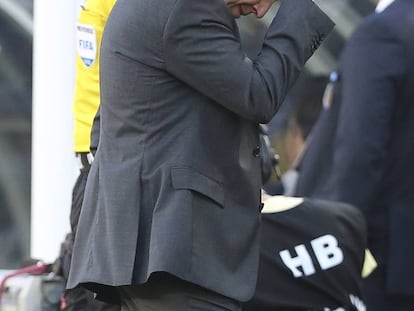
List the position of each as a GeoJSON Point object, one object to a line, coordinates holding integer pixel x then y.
{"type": "Point", "coordinates": [89, 29]}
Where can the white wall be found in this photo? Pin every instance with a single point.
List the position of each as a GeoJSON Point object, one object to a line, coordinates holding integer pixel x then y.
{"type": "Point", "coordinates": [53, 163]}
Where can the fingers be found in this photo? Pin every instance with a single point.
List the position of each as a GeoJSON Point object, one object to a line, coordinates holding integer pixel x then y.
{"type": "Point", "coordinates": [262, 7]}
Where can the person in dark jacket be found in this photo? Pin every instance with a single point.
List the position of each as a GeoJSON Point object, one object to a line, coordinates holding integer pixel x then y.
{"type": "Point", "coordinates": [312, 256]}
{"type": "Point", "coordinates": [370, 161]}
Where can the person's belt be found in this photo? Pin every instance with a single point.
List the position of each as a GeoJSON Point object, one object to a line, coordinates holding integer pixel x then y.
{"type": "Point", "coordinates": [85, 159]}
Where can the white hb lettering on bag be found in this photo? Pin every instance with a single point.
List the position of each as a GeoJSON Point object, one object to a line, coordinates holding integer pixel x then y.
{"type": "Point", "coordinates": [326, 250]}
{"type": "Point", "coordinates": [302, 259]}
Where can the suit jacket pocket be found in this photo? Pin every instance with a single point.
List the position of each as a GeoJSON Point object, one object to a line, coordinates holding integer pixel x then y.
{"type": "Point", "coordinates": [191, 179]}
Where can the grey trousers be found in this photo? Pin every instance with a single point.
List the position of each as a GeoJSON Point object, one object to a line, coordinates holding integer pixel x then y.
{"type": "Point", "coordinates": [164, 292]}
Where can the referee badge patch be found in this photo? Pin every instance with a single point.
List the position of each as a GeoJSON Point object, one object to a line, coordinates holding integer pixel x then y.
{"type": "Point", "coordinates": [86, 43]}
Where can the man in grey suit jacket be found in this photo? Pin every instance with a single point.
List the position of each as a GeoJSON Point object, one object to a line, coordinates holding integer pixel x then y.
{"type": "Point", "coordinates": [172, 203]}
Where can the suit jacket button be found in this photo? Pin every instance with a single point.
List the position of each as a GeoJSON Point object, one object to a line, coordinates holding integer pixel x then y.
{"type": "Point", "coordinates": [256, 152]}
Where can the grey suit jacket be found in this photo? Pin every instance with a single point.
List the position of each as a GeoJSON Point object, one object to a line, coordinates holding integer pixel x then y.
{"type": "Point", "coordinates": [175, 185]}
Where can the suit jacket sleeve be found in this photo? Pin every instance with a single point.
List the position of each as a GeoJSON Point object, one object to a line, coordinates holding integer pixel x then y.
{"type": "Point", "coordinates": [366, 115]}
{"type": "Point", "coordinates": [202, 48]}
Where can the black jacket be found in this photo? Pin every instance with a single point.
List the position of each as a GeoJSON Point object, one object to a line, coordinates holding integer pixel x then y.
{"type": "Point", "coordinates": [311, 257]}
{"type": "Point", "coordinates": [373, 143]}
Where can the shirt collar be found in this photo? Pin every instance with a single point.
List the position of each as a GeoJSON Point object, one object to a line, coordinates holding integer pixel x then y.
{"type": "Point", "coordinates": [382, 5]}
